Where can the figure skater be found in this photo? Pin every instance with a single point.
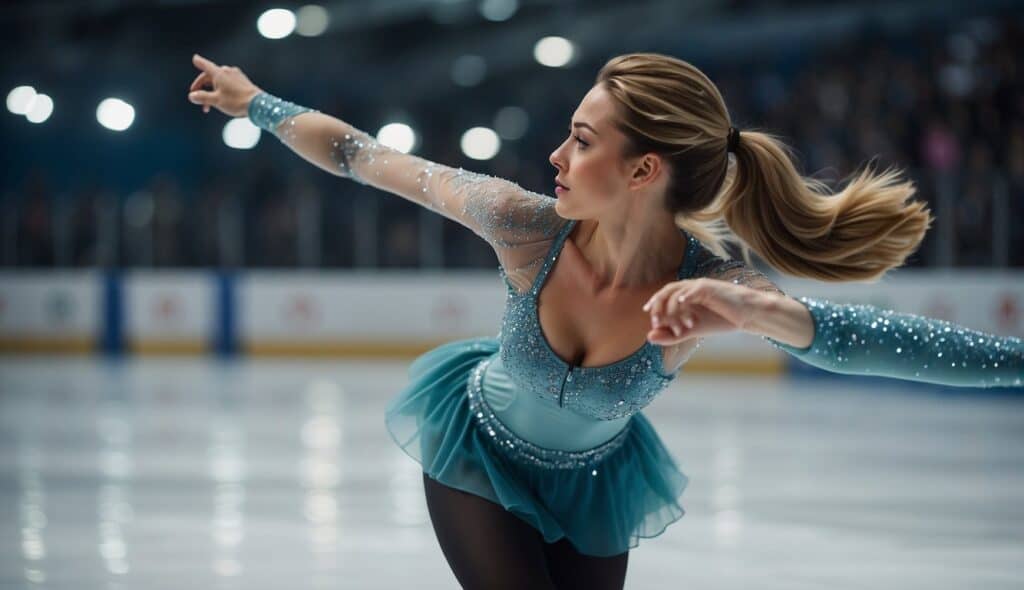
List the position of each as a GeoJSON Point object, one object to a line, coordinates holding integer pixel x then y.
{"type": "Point", "coordinates": [539, 468]}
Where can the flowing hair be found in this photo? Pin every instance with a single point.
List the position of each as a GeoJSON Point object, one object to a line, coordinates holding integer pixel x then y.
{"type": "Point", "coordinates": [760, 201]}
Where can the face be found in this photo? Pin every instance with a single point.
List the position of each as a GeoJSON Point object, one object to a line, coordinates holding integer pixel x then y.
{"type": "Point", "coordinates": [589, 162]}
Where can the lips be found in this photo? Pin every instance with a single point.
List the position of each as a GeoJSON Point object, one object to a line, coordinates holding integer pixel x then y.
{"type": "Point", "coordinates": [559, 184]}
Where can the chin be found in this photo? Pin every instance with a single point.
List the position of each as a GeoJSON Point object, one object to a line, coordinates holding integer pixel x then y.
{"type": "Point", "coordinates": [563, 210]}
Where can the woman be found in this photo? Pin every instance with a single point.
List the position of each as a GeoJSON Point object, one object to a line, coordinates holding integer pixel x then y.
{"type": "Point", "coordinates": [540, 471]}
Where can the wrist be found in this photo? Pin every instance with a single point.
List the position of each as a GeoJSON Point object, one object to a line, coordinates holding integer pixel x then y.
{"type": "Point", "coordinates": [783, 319]}
{"type": "Point", "coordinates": [251, 97]}
{"type": "Point", "coordinates": [758, 305]}
{"type": "Point", "coordinates": [763, 308]}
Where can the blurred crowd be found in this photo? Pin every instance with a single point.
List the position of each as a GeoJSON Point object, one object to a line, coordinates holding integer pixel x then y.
{"type": "Point", "coordinates": [945, 104]}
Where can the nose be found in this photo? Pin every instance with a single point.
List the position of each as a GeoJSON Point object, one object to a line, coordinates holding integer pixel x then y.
{"type": "Point", "coordinates": [556, 159]}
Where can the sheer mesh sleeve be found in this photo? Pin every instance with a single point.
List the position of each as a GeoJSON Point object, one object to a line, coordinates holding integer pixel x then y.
{"type": "Point", "coordinates": [735, 271]}
{"type": "Point", "coordinates": [519, 224]}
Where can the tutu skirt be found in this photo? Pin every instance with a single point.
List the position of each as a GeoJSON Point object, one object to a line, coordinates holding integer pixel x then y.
{"type": "Point", "coordinates": [603, 509]}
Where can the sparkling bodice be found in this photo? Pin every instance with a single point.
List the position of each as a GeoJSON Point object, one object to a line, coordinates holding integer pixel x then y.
{"type": "Point", "coordinates": [527, 235]}
{"type": "Point", "coordinates": [606, 392]}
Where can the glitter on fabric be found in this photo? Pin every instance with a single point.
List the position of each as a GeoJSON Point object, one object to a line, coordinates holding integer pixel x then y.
{"type": "Point", "coordinates": [863, 339]}
{"type": "Point", "coordinates": [523, 451]}
{"type": "Point", "coordinates": [598, 486]}
{"type": "Point", "coordinates": [267, 111]}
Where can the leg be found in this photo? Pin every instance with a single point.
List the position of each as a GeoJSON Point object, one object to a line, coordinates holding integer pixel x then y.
{"type": "Point", "coordinates": [486, 546]}
{"type": "Point", "coordinates": [571, 569]}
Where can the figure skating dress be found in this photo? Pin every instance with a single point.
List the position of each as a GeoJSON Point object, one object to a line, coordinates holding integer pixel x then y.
{"type": "Point", "coordinates": [567, 448]}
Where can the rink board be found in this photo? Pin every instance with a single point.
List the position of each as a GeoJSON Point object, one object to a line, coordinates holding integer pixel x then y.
{"type": "Point", "coordinates": [389, 314]}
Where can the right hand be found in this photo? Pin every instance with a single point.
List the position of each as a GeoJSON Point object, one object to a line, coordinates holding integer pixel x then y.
{"type": "Point", "coordinates": [698, 307]}
{"type": "Point", "coordinates": [232, 90]}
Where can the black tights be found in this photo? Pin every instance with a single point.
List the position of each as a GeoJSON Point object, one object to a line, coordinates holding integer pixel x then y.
{"type": "Point", "coordinates": [489, 547]}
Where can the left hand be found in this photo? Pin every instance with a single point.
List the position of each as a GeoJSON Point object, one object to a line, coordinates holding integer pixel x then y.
{"type": "Point", "coordinates": [696, 307]}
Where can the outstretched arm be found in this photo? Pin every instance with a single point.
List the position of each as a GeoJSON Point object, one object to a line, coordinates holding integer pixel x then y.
{"type": "Point", "coordinates": [864, 339]}
{"type": "Point", "coordinates": [844, 338]}
{"type": "Point", "coordinates": [500, 211]}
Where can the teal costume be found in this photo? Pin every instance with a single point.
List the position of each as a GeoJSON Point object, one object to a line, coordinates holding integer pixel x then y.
{"type": "Point", "coordinates": [565, 447]}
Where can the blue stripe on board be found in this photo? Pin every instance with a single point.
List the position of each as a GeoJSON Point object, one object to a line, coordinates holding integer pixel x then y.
{"type": "Point", "coordinates": [225, 343]}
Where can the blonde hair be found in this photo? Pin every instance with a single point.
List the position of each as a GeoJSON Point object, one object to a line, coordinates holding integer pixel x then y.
{"type": "Point", "coordinates": [795, 223]}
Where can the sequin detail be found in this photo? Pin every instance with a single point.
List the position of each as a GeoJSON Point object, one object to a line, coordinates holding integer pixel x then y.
{"type": "Point", "coordinates": [267, 111]}
{"type": "Point", "coordinates": [523, 451]}
{"type": "Point", "coordinates": [607, 392]}
{"type": "Point", "coordinates": [527, 234]}
{"type": "Point", "coordinates": [863, 339]}
{"type": "Point", "coordinates": [618, 389]}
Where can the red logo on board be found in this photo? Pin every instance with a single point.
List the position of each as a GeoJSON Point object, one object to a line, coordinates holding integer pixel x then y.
{"type": "Point", "coordinates": [1009, 312]}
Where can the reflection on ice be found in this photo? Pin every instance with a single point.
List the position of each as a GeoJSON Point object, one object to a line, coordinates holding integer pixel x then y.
{"type": "Point", "coordinates": [260, 474]}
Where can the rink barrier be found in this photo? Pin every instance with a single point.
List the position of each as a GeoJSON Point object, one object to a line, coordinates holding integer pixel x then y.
{"type": "Point", "coordinates": [43, 345]}
{"type": "Point", "coordinates": [388, 314]}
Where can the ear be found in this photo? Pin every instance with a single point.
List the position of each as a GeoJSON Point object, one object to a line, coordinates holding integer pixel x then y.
{"type": "Point", "coordinates": [646, 170]}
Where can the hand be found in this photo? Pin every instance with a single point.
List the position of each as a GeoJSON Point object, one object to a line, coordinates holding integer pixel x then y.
{"type": "Point", "coordinates": [691, 308]}
{"type": "Point", "coordinates": [232, 90]}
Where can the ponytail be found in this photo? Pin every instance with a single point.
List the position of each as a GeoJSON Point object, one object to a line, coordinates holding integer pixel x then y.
{"type": "Point", "coordinates": [798, 226]}
{"type": "Point", "coordinates": [760, 201]}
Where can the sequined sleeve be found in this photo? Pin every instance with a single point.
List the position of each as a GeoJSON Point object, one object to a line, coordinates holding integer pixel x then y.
{"type": "Point", "coordinates": [501, 212]}
{"type": "Point", "coordinates": [863, 339]}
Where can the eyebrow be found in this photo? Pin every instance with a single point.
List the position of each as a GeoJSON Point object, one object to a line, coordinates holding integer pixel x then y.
{"type": "Point", "coordinates": [578, 124]}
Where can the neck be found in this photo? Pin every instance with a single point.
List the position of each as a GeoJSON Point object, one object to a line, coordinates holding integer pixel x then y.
{"type": "Point", "coordinates": [631, 250]}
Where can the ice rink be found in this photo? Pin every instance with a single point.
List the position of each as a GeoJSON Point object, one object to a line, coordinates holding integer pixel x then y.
{"type": "Point", "coordinates": [185, 473]}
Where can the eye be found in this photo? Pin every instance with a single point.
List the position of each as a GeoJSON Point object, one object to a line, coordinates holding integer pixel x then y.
{"type": "Point", "coordinates": [582, 143]}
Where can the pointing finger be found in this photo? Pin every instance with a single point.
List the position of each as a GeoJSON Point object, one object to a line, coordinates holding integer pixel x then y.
{"type": "Point", "coordinates": [203, 64]}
